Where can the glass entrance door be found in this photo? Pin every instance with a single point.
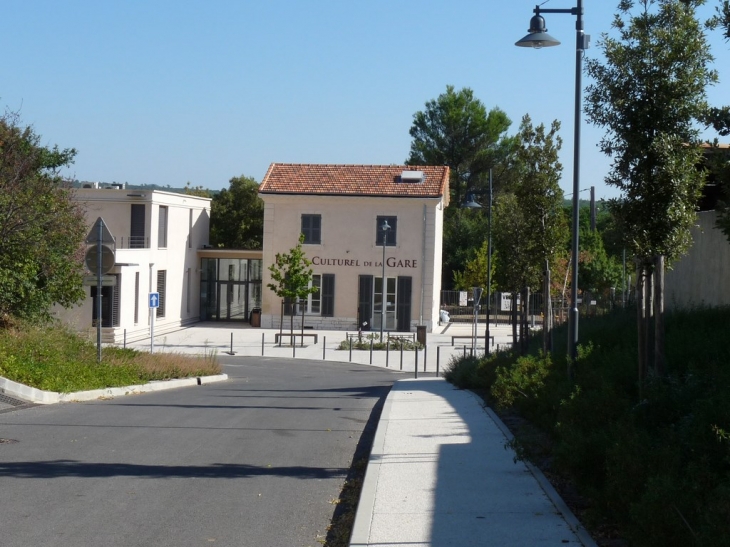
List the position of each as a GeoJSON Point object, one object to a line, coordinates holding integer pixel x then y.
{"type": "Point", "coordinates": [390, 299]}
{"type": "Point", "coordinates": [232, 300]}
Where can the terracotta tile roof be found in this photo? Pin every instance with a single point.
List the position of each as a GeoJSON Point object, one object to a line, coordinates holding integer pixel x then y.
{"type": "Point", "coordinates": [354, 180]}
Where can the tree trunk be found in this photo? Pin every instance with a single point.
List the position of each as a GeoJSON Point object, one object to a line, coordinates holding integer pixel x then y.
{"type": "Point", "coordinates": [648, 315]}
{"type": "Point", "coordinates": [521, 325]}
{"type": "Point", "coordinates": [513, 313]}
{"type": "Point", "coordinates": [302, 340]}
{"type": "Point", "coordinates": [547, 320]}
{"type": "Point", "coordinates": [525, 319]}
{"type": "Point", "coordinates": [659, 362]}
{"type": "Point", "coordinates": [640, 323]}
{"type": "Point", "coordinates": [281, 322]}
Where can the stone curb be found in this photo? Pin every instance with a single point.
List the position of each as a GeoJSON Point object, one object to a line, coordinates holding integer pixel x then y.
{"type": "Point", "coordinates": [571, 520]}
{"type": "Point", "coordinates": [360, 535]}
{"type": "Point", "coordinates": [33, 395]}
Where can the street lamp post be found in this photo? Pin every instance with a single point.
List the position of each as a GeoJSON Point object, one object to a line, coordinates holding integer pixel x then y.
{"type": "Point", "coordinates": [538, 38]}
{"type": "Point", "coordinates": [383, 297]}
{"type": "Point", "coordinates": [473, 204]}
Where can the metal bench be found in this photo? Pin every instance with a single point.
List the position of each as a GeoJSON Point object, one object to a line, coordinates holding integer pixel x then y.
{"type": "Point", "coordinates": [410, 336]}
{"type": "Point", "coordinates": [279, 335]}
{"type": "Point", "coordinates": [453, 338]}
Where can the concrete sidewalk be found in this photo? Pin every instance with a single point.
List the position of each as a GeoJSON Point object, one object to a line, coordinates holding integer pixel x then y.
{"type": "Point", "coordinates": [439, 475]}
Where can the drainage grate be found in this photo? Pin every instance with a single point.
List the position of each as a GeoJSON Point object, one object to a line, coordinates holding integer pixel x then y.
{"type": "Point", "coordinates": [10, 401]}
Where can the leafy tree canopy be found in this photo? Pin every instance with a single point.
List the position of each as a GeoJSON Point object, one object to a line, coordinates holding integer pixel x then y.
{"type": "Point", "coordinates": [198, 191]}
{"type": "Point", "coordinates": [291, 274]}
{"type": "Point", "coordinates": [475, 272]}
{"type": "Point", "coordinates": [41, 227]}
{"type": "Point", "coordinates": [456, 130]}
{"type": "Point", "coordinates": [530, 226]}
{"type": "Point", "coordinates": [648, 94]}
{"type": "Point", "coordinates": [598, 271]}
{"type": "Point", "coordinates": [539, 194]}
{"type": "Point", "coordinates": [237, 216]}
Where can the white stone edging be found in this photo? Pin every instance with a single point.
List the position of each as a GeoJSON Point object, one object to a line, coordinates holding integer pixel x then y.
{"type": "Point", "coordinates": [39, 396]}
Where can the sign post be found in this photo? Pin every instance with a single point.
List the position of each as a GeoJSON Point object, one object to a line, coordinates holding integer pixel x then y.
{"type": "Point", "coordinates": [100, 258]}
{"type": "Point", "coordinates": [154, 304]}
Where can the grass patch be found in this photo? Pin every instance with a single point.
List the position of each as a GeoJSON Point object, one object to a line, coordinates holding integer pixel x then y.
{"type": "Point", "coordinates": [56, 359]}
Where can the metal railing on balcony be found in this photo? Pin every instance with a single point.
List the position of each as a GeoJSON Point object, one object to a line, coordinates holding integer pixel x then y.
{"type": "Point", "coordinates": [132, 242]}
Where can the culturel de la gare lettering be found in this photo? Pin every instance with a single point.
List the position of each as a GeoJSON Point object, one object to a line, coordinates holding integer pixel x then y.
{"type": "Point", "coordinates": [391, 262]}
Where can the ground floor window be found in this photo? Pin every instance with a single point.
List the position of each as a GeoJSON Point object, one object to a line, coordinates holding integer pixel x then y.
{"type": "Point", "coordinates": [312, 304]}
{"type": "Point", "coordinates": [389, 301]}
{"type": "Point", "coordinates": [321, 302]}
{"type": "Point", "coordinates": [110, 299]}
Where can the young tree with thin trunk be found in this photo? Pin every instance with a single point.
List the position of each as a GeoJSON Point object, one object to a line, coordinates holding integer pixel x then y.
{"type": "Point", "coordinates": [291, 277]}
{"type": "Point", "coordinates": [540, 199]}
{"type": "Point", "coordinates": [649, 93]}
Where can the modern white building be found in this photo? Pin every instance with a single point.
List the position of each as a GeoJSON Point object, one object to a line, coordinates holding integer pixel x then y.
{"type": "Point", "coordinates": [156, 240]}
{"type": "Point", "coordinates": [361, 224]}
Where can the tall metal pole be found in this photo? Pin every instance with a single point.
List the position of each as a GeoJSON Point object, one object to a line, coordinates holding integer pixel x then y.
{"type": "Point", "coordinates": [489, 264]}
{"type": "Point", "coordinates": [100, 235]}
{"type": "Point", "coordinates": [383, 291]}
{"type": "Point", "coordinates": [576, 188]}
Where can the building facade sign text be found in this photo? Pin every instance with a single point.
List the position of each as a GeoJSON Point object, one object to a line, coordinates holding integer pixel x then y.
{"type": "Point", "coordinates": [390, 262]}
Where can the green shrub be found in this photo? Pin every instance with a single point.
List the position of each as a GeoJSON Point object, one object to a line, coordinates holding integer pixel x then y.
{"type": "Point", "coordinates": [392, 344]}
{"type": "Point", "coordinates": [525, 378]}
{"type": "Point", "coordinates": [657, 465]}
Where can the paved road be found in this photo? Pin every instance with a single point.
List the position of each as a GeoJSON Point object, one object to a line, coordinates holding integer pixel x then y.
{"type": "Point", "coordinates": [254, 461]}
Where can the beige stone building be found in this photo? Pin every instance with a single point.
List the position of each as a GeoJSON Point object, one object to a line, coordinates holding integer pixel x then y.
{"type": "Point", "coordinates": [351, 217]}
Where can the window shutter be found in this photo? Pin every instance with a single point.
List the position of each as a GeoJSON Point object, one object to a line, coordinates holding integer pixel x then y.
{"type": "Point", "coordinates": [137, 227]}
{"type": "Point", "coordinates": [403, 303]}
{"type": "Point", "coordinates": [365, 302]}
{"type": "Point", "coordinates": [328, 295]}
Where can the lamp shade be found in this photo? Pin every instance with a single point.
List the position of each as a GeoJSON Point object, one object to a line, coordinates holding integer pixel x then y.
{"type": "Point", "coordinates": [471, 203]}
{"type": "Point", "coordinates": [538, 36]}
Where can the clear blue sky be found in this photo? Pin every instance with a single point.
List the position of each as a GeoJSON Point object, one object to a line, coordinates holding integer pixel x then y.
{"type": "Point", "coordinates": [163, 92]}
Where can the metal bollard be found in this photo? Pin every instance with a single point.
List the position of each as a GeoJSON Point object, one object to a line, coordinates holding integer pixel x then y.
{"type": "Point", "coordinates": [371, 351]}
{"type": "Point", "coordinates": [387, 352]}
{"type": "Point", "coordinates": [351, 350]}
{"type": "Point", "coordinates": [425, 357]}
{"type": "Point", "coordinates": [438, 359]}
{"type": "Point", "coordinates": [324, 346]}
{"type": "Point", "coordinates": [262, 343]}
{"type": "Point", "coordinates": [401, 356]}
{"type": "Point", "coordinates": [415, 368]}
